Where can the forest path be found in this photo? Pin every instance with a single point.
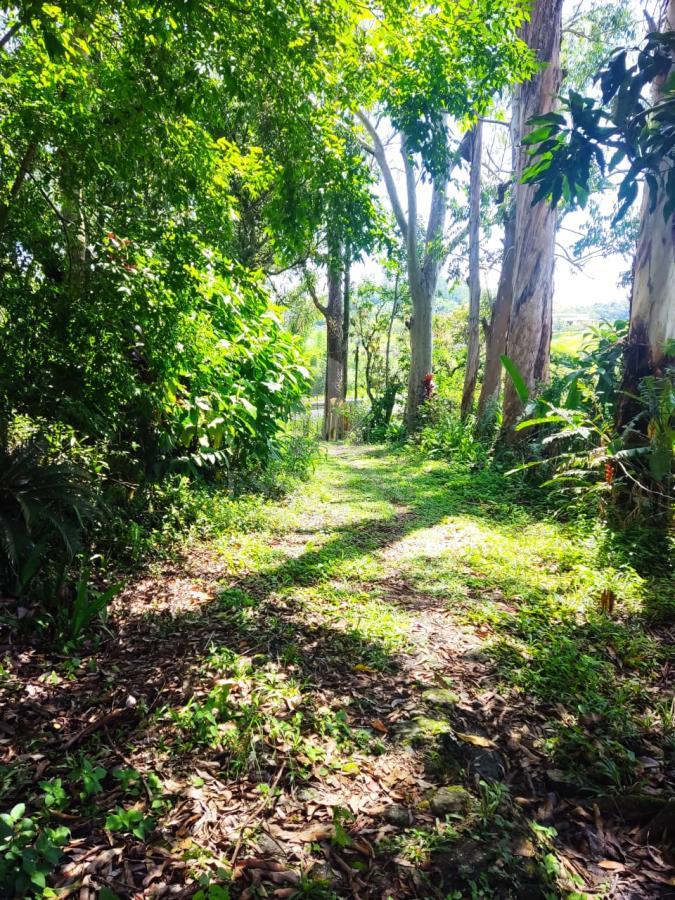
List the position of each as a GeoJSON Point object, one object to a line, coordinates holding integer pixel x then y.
{"type": "Point", "coordinates": [312, 705]}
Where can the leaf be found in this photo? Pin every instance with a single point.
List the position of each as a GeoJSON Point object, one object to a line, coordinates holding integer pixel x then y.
{"type": "Point", "coordinates": [379, 725]}
{"type": "Point", "coordinates": [17, 812]}
{"type": "Point", "coordinates": [476, 740]}
{"type": "Point", "coordinates": [612, 865]}
{"type": "Point", "coordinates": [516, 377]}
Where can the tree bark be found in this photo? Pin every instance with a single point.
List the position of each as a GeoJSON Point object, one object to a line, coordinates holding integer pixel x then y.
{"type": "Point", "coordinates": [346, 321]}
{"type": "Point", "coordinates": [498, 328]}
{"type": "Point", "coordinates": [473, 335]}
{"type": "Point", "coordinates": [333, 421]}
{"type": "Point", "coordinates": [529, 337]}
{"type": "Point", "coordinates": [390, 329]}
{"type": "Point", "coordinates": [652, 308]}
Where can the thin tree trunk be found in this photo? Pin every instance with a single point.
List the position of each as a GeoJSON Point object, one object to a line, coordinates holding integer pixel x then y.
{"type": "Point", "coordinates": [333, 425]}
{"type": "Point", "coordinates": [346, 313]}
{"type": "Point", "coordinates": [473, 335]}
{"type": "Point", "coordinates": [529, 337]}
{"type": "Point", "coordinates": [392, 319]}
{"type": "Point", "coordinates": [497, 331]}
{"type": "Point", "coordinates": [356, 372]}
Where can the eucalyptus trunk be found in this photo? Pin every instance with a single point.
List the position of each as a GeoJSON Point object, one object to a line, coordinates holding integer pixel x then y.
{"type": "Point", "coordinates": [496, 332]}
{"type": "Point", "coordinates": [421, 348]}
{"type": "Point", "coordinates": [652, 309]}
{"type": "Point", "coordinates": [530, 326]}
{"type": "Point", "coordinates": [473, 332]}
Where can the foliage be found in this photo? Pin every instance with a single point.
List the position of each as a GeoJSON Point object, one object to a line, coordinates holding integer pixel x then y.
{"type": "Point", "coordinates": [444, 435]}
{"type": "Point", "coordinates": [576, 421]}
{"type": "Point", "coordinates": [44, 505]}
{"type": "Point", "coordinates": [445, 60]}
{"type": "Point", "coordinates": [569, 145]}
{"type": "Point", "coordinates": [27, 854]}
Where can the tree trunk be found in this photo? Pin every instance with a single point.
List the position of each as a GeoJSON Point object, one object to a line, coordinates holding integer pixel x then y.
{"type": "Point", "coordinates": [652, 308]}
{"type": "Point", "coordinates": [390, 329]}
{"type": "Point", "coordinates": [529, 337]}
{"type": "Point", "coordinates": [498, 329]}
{"type": "Point", "coordinates": [333, 421]}
{"type": "Point", "coordinates": [356, 372]}
{"type": "Point", "coordinates": [420, 354]}
{"type": "Point", "coordinates": [473, 336]}
{"type": "Point", "coordinates": [346, 314]}
{"type": "Point", "coordinates": [423, 282]}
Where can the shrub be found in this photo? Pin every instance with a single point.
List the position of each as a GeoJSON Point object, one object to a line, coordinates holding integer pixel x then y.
{"type": "Point", "coordinates": [43, 508]}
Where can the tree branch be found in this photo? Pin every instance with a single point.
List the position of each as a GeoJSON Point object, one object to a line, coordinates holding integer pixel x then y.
{"type": "Point", "coordinates": [311, 290]}
{"type": "Point", "coordinates": [21, 175]}
{"type": "Point", "coordinates": [381, 157]}
{"type": "Point", "coordinates": [9, 34]}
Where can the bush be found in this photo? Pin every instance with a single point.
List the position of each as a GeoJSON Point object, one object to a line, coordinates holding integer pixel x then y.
{"type": "Point", "coordinates": [44, 506]}
{"type": "Point", "coordinates": [445, 435]}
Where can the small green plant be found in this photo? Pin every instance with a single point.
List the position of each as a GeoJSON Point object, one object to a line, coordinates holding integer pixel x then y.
{"type": "Point", "coordinates": [130, 821]}
{"type": "Point", "coordinates": [87, 605]}
{"type": "Point", "coordinates": [91, 775]}
{"type": "Point", "coordinates": [55, 796]}
{"type": "Point", "coordinates": [28, 854]}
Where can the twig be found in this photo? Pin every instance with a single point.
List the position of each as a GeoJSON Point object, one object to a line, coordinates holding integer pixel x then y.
{"type": "Point", "coordinates": [254, 812]}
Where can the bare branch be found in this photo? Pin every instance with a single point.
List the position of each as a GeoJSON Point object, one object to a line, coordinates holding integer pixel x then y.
{"type": "Point", "coordinates": [9, 34]}
{"type": "Point", "coordinates": [381, 157]}
{"type": "Point", "coordinates": [24, 170]}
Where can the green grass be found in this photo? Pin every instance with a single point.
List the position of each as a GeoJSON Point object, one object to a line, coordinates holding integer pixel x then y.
{"type": "Point", "coordinates": [321, 596]}
{"type": "Point", "coordinates": [568, 343]}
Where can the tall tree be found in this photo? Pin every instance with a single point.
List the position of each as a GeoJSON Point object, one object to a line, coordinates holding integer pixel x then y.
{"type": "Point", "coordinates": [432, 66]}
{"type": "Point", "coordinates": [497, 328]}
{"type": "Point", "coordinates": [424, 259]}
{"type": "Point", "coordinates": [473, 331]}
{"type": "Point", "coordinates": [530, 324]}
{"type": "Point", "coordinates": [569, 149]}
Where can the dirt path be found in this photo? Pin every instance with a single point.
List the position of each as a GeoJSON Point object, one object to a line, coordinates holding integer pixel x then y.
{"type": "Point", "coordinates": [303, 711]}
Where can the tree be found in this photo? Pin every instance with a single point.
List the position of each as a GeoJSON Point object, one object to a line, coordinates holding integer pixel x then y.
{"type": "Point", "coordinates": [473, 331]}
{"type": "Point", "coordinates": [586, 34]}
{"type": "Point", "coordinates": [567, 148]}
{"type": "Point", "coordinates": [350, 224]}
{"type": "Point", "coordinates": [530, 321]}
{"type": "Point", "coordinates": [432, 66]}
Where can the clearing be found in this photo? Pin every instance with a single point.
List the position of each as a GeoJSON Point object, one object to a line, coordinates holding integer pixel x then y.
{"type": "Point", "coordinates": [398, 682]}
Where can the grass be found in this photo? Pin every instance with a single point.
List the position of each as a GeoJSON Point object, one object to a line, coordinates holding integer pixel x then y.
{"type": "Point", "coordinates": [320, 636]}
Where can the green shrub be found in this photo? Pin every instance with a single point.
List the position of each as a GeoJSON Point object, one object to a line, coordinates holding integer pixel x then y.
{"type": "Point", "coordinates": [43, 509]}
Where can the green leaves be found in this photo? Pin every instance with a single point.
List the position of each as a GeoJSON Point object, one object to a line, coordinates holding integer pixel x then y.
{"type": "Point", "coordinates": [568, 150]}
{"type": "Point", "coordinates": [516, 378]}
{"type": "Point", "coordinates": [27, 854]}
